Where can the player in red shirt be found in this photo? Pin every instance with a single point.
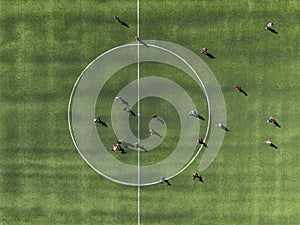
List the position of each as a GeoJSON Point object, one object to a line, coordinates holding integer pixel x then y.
{"type": "Point", "coordinates": [204, 51]}
{"type": "Point", "coordinates": [117, 147]}
{"type": "Point", "coordinates": [273, 121]}
{"type": "Point", "coordinates": [239, 88]}
{"type": "Point", "coordinates": [201, 142]}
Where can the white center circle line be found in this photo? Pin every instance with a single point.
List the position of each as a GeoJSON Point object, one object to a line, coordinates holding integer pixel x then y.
{"type": "Point", "coordinates": [93, 69]}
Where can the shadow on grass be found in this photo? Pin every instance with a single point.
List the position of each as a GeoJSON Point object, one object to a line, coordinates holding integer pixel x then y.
{"type": "Point", "coordinates": [272, 30]}
{"type": "Point", "coordinates": [209, 55]}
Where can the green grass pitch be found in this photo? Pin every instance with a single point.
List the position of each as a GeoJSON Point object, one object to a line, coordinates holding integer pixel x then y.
{"type": "Point", "coordinates": [45, 45]}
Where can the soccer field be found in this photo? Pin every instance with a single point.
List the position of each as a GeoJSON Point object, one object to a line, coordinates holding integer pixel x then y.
{"type": "Point", "coordinates": [45, 46]}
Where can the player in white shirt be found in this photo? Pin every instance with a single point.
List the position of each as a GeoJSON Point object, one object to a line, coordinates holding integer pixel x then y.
{"type": "Point", "coordinates": [269, 25]}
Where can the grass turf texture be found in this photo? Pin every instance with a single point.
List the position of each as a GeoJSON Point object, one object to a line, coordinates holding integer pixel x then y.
{"type": "Point", "coordinates": [45, 46]}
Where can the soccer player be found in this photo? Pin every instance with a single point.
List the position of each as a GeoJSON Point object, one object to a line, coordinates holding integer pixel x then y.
{"type": "Point", "coordinates": [196, 176]}
{"type": "Point", "coordinates": [269, 25]}
{"type": "Point", "coordinates": [126, 109]}
{"type": "Point", "coordinates": [162, 180]}
{"type": "Point", "coordinates": [153, 132]}
{"type": "Point", "coordinates": [117, 147]}
{"type": "Point", "coordinates": [219, 125]}
{"type": "Point", "coordinates": [119, 98]}
{"type": "Point", "coordinates": [201, 142]}
{"type": "Point", "coordinates": [138, 39]}
{"type": "Point", "coordinates": [98, 120]}
{"type": "Point", "coordinates": [121, 22]}
{"type": "Point", "coordinates": [239, 88]}
{"type": "Point", "coordinates": [195, 114]}
{"type": "Point", "coordinates": [268, 142]}
{"type": "Point", "coordinates": [204, 51]}
{"type": "Point", "coordinates": [273, 121]}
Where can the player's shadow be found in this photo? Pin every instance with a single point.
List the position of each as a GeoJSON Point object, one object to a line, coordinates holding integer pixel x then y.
{"type": "Point", "coordinates": [137, 146]}
{"type": "Point", "coordinates": [121, 22]}
{"type": "Point", "coordinates": [143, 148]}
{"type": "Point", "coordinates": [125, 144]}
{"type": "Point", "coordinates": [244, 92]}
{"type": "Point", "coordinates": [124, 24]}
{"type": "Point", "coordinates": [226, 129]}
{"type": "Point", "coordinates": [196, 115]}
{"type": "Point", "coordinates": [153, 132]}
{"type": "Point", "coordinates": [168, 182]}
{"type": "Point", "coordinates": [102, 123]}
{"type": "Point", "coordinates": [144, 43]}
{"type": "Point", "coordinates": [128, 145]}
{"type": "Point", "coordinates": [272, 30]}
{"type": "Point", "coordinates": [157, 134]}
{"type": "Point", "coordinates": [160, 120]}
{"type": "Point", "coordinates": [200, 117]}
{"type": "Point", "coordinates": [223, 127]}
{"type": "Point", "coordinates": [277, 124]}
{"type": "Point", "coordinates": [125, 103]}
{"type": "Point", "coordinates": [132, 113]}
{"type": "Point", "coordinates": [273, 146]}
{"type": "Point", "coordinates": [122, 150]}
{"type": "Point", "coordinates": [200, 179]}
{"type": "Point", "coordinates": [209, 55]}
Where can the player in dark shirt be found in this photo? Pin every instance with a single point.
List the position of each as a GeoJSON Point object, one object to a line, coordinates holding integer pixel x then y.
{"type": "Point", "coordinates": [121, 22]}
{"type": "Point", "coordinates": [196, 176]}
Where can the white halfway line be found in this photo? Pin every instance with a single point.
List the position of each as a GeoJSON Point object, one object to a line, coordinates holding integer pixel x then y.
{"type": "Point", "coordinates": [138, 113]}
